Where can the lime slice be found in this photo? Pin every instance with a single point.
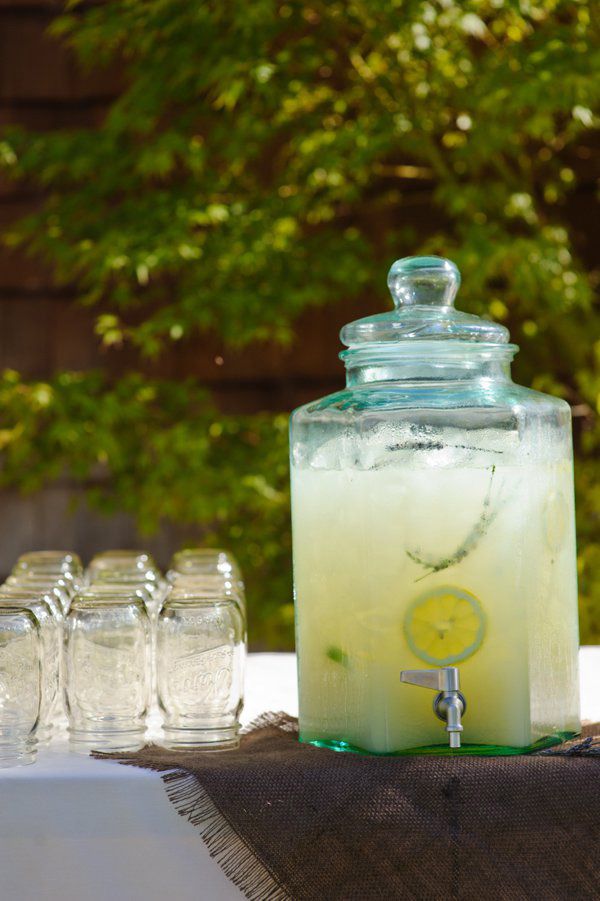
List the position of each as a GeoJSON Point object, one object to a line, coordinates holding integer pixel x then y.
{"type": "Point", "coordinates": [337, 655]}
{"type": "Point", "coordinates": [444, 626]}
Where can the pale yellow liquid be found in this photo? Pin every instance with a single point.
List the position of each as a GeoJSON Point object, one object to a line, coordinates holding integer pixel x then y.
{"type": "Point", "coordinates": [354, 534]}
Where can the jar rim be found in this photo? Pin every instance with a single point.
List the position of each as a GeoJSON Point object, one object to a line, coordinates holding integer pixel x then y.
{"type": "Point", "coordinates": [431, 351]}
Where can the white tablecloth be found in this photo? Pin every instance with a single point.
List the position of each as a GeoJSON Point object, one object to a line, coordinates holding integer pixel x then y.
{"type": "Point", "coordinates": [77, 829]}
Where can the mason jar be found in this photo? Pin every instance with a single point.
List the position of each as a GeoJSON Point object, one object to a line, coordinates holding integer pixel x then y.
{"type": "Point", "coordinates": [201, 650]}
{"type": "Point", "coordinates": [60, 589]}
{"type": "Point", "coordinates": [129, 564]}
{"type": "Point", "coordinates": [433, 531]}
{"type": "Point", "coordinates": [55, 562]}
{"type": "Point", "coordinates": [213, 564]}
{"type": "Point", "coordinates": [107, 671]}
{"type": "Point", "coordinates": [50, 636]}
{"type": "Point", "coordinates": [21, 662]}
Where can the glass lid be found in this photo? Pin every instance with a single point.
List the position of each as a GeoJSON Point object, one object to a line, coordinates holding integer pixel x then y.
{"type": "Point", "coordinates": [423, 290]}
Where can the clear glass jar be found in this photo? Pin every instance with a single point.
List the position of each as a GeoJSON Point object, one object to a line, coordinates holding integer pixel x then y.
{"type": "Point", "coordinates": [126, 562]}
{"type": "Point", "coordinates": [132, 567]}
{"type": "Point", "coordinates": [109, 583]}
{"type": "Point", "coordinates": [60, 568]}
{"type": "Point", "coordinates": [118, 583]}
{"type": "Point", "coordinates": [206, 562]}
{"type": "Point", "coordinates": [58, 588]}
{"type": "Point", "coordinates": [50, 634]}
{"type": "Point", "coordinates": [201, 651]}
{"type": "Point", "coordinates": [107, 671]}
{"type": "Point", "coordinates": [433, 527]}
{"type": "Point", "coordinates": [45, 562]}
{"type": "Point", "coordinates": [216, 585]}
{"type": "Point", "coordinates": [21, 660]}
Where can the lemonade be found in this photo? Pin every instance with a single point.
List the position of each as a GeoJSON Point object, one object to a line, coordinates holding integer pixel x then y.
{"type": "Point", "coordinates": [418, 562]}
{"type": "Point", "coordinates": [433, 526]}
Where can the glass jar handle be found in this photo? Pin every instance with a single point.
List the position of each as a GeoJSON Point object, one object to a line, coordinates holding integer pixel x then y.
{"type": "Point", "coordinates": [423, 281]}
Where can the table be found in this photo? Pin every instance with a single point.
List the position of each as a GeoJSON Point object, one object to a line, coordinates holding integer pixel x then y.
{"type": "Point", "coordinates": [77, 829]}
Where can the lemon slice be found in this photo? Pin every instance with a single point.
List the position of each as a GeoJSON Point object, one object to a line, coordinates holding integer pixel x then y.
{"type": "Point", "coordinates": [444, 626]}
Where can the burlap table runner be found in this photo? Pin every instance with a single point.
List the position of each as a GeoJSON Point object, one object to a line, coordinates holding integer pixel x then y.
{"type": "Point", "coordinates": [286, 820]}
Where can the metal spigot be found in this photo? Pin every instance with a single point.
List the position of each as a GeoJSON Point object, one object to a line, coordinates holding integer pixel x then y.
{"type": "Point", "coordinates": [450, 704]}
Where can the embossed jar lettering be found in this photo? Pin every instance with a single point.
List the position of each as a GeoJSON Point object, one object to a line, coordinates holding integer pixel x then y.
{"type": "Point", "coordinates": [200, 657]}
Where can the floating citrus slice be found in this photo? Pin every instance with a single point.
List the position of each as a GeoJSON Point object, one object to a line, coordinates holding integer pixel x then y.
{"type": "Point", "coordinates": [444, 626]}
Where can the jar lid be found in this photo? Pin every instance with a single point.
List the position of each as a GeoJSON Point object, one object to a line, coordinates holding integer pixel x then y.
{"type": "Point", "coordinates": [423, 290]}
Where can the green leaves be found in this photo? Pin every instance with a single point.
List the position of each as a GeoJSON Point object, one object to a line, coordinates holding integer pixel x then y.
{"type": "Point", "coordinates": [243, 146]}
{"type": "Point", "coordinates": [159, 450]}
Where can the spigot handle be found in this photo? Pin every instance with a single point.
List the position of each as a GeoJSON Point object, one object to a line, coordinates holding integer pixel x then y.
{"type": "Point", "coordinates": [446, 679]}
{"type": "Point", "coordinates": [450, 704]}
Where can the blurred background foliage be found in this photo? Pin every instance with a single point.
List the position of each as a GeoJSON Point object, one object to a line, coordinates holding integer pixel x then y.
{"type": "Point", "coordinates": [264, 157]}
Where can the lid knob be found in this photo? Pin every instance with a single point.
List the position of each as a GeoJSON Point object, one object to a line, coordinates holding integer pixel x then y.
{"type": "Point", "coordinates": [423, 281]}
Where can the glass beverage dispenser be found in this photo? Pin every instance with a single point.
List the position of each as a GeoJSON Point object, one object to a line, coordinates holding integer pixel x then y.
{"type": "Point", "coordinates": [434, 541]}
